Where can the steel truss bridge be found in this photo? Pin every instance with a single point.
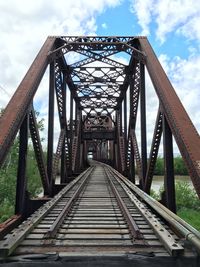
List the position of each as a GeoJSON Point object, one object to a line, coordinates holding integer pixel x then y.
{"type": "Point", "coordinates": [98, 210]}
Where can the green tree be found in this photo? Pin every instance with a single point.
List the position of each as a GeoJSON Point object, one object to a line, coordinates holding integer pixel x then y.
{"type": "Point", "coordinates": [8, 174]}
{"type": "Point", "coordinates": [187, 202]}
{"type": "Point", "coordinates": [179, 166]}
{"type": "Point", "coordinates": [159, 168]}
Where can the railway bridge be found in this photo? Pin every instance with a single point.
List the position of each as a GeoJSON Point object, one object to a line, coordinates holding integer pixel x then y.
{"type": "Point", "coordinates": [96, 172]}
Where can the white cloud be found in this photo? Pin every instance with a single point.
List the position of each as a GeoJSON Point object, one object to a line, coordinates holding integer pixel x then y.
{"type": "Point", "coordinates": [143, 10]}
{"type": "Point", "coordinates": [191, 29]}
{"type": "Point", "coordinates": [24, 26]}
{"type": "Point", "coordinates": [104, 25]}
{"type": "Point", "coordinates": [184, 76]}
{"type": "Point", "coordinates": [180, 16]}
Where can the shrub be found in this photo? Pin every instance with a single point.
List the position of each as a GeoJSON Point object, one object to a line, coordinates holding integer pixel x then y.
{"type": "Point", "coordinates": [186, 197]}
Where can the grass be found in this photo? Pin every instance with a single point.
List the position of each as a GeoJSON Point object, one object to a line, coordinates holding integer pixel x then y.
{"type": "Point", "coordinates": [190, 216]}
{"type": "Point", "coordinates": [187, 203]}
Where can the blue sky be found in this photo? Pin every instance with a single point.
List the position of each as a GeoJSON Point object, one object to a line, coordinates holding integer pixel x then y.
{"type": "Point", "coordinates": [121, 21]}
{"type": "Point", "coordinates": [172, 27]}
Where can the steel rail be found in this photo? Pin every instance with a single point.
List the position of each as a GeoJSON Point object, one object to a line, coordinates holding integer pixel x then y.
{"type": "Point", "coordinates": [55, 226]}
{"type": "Point", "coordinates": [171, 245]}
{"type": "Point", "coordinates": [182, 227]}
{"type": "Point", "coordinates": [134, 230]}
{"type": "Point", "coordinates": [14, 239]}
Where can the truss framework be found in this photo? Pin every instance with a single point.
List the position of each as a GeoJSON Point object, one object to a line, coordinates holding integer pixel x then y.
{"type": "Point", "coordinates": [89, 72]}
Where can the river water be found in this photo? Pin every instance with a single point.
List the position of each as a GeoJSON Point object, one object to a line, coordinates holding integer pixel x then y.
{"type": "Point", "coordinates": [159, 180]}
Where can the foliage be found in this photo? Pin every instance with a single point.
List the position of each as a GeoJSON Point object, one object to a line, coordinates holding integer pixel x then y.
{"type": "Point", "coordinates": [6, 210]}
{"type": "Point", "coordinates": [8, 174]}
{"type": "Point", "coordinates": [159, 168]}
{"type": "Point", "coordinates": [179, 166]}
{"type": "Point", "coordinates": [155, 195]}
{"type": "Point", "coordinates": [34, 184]}
{"type": "Point", "coordinates": [186, 197]}
{"type": "Point", "coordinates": [190, 216]}
{"type": "Point", "coordinates": [187, 203]}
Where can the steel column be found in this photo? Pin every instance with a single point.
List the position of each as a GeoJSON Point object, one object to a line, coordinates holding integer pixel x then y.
{"type": "Point", "coordinates": [169, 186]}
{"type": "Point", "coordinates": [20, 203]}
{"type": "Point", "coordinates": [154, 151]}
{"type": "Point", "coordinates": [125, 131]}
{"type": "Point", "coordinates": [120, 119]}
{"type": "Point", "coordinates": [76, 118]}
{"type": "Point", "coordinates": [63, 176]}
{"type": "Point", "coordinates": [143, 122]}
{"type": "Point", "coordinates": [71, 125]}
{"type": "Point", "coordinates": [186, 136]}
{"type": "Point", "coordinates": [131, 126]}
{"type": "Point", "coordinates": [51, 121]}
{"type": "Point", "coordinates": [38, 151]}
{"type": "Point", "coordinates": [131, 175]}
{"type": "Point", "coordinates": [64, 126]}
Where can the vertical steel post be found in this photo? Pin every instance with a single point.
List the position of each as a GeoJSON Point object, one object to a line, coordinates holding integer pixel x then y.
{"type": "Point", "coordinates": [120, 119]}
{"type": "Point", "coordinates": [51, 121]}
{"type": "Point", "coordinates": [131, 126]}
{"type": "Point", "coordinates": [143, 122]}
{"type": "Point", "coordinates": [116, 155]}
{"type": "Point", "coordinates": [76, 117]}
{"type": "Point", "coordinates": [154, 150]}
{"type": "Point", "coordinates": [63, 176]}
{"type": "Point", "coordinates": [71, 125]}
{"type": "Point", "coordinates": [169, 186]}
{"type": "Point", "coordinates": [125, 131]}
{"type": "Point", "coordinates": [78, 134]}
{"type": "Point", "coordinates": [35, 136]}
{"type": "Point", "coordinates": [132, 169]}
{"type": "Point", "coordinates": [64, 125]}
{"type": "Point", "coordinates": [119, 132]}
{"type": "Point", "coordinates": [20, 203]}
{"type": "Point", "coordinates": [84, 153]}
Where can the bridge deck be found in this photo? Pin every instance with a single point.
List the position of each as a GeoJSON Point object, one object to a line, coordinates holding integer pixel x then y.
{"type": "Point", "coordinates": [95, 215]}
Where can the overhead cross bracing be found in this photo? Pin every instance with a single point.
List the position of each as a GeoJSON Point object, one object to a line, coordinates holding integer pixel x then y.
{"type": "Point", "coordinates": [98, 75]}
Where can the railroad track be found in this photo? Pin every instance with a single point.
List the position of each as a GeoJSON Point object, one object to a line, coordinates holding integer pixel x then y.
{"type": "Point", "coordinates": [96, 213]}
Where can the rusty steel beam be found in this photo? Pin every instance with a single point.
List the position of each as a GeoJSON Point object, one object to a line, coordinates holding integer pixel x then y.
{"type": "Point", "coordinates": [51, 120]}
{"type": "Point", "coordinates": [143, 121]}
{"type": "Point", "coordinates": [57, 155]}
{"type": "Point", "coordinates": [21, 185]}
{"type": "Point", "coordinates": [10, 121]}
{"type": "Point", "coordinates": [154, 151]}
{"type": "Point", "coordinates": [134, 145]}
{"type": "Point", "coordinates": [186, 136]}
{"type": "Point", "coordinates": [35, 136]}
{"type": "Point", "coordinates": [10, 224]}
{"type": "Point", "coordinates": [134, 95]}
{"type": "Point", "coordinates": [169, 180]}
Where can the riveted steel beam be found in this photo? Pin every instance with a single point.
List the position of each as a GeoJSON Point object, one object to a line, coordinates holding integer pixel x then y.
{"type": "Point", "coordinates": [10, 122]}
{"type": "Point", "coordinates": [187, 138]}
